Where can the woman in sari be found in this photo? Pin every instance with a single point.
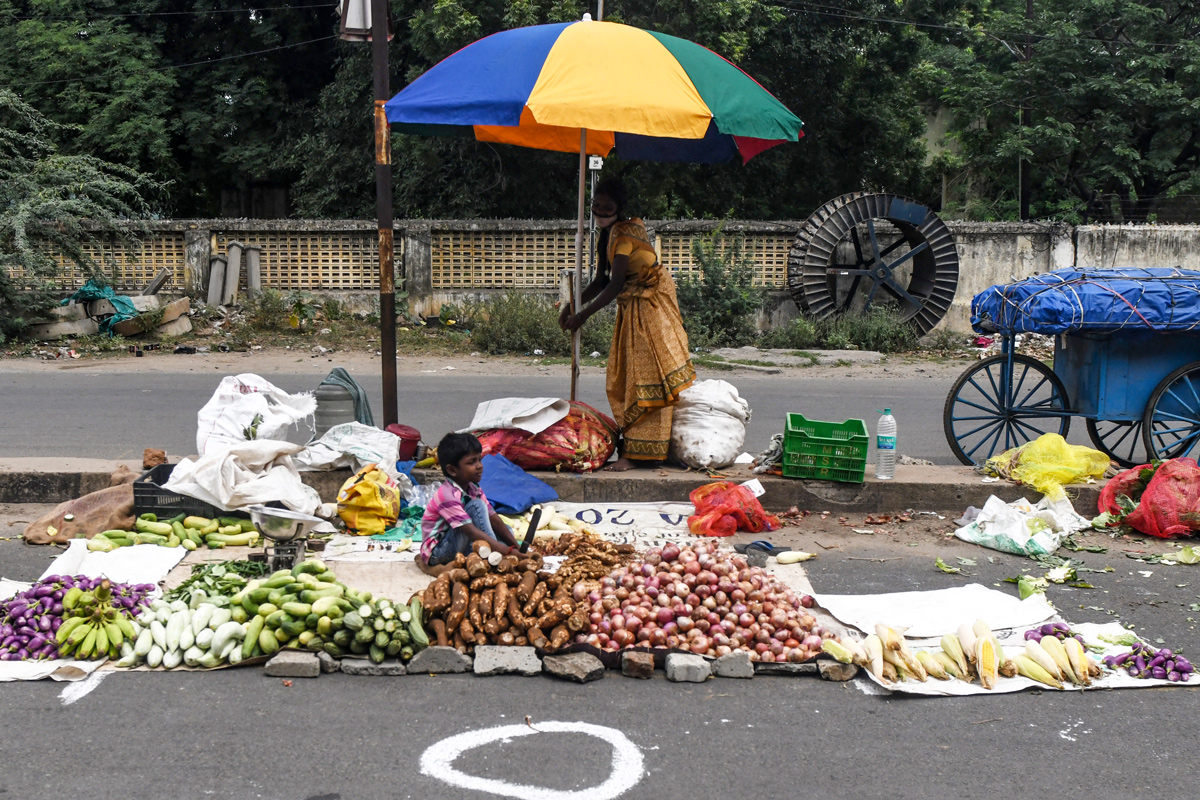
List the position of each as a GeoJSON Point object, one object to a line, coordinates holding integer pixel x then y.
{"type": "Point", "coordinates": [649, 363]}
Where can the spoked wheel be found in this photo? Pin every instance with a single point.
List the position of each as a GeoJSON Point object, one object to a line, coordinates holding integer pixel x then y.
{"type": "Point", "coordinates": [988, 412]}
{"type": "Point", "coordinates": [1171, 427]}
{"type": "Point", "coordinates": [864, 248]}
{"type": "Point", "coordinates": [1120, 440]}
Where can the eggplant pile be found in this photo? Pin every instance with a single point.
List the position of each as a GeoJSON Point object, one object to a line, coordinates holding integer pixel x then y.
{"type": "Point", "coordinates": [1143, 661]}
{"type": "Point", "coordinates": [30, 621]}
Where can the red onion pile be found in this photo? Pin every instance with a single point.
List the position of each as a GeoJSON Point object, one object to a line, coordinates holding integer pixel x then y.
{"type": "Point", "coordinates": [703, 601]}
{"type": "Point", "coordinates": [29, 620]}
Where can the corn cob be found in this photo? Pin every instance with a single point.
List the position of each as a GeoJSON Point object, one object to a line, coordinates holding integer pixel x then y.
{"type": "Point", "coordinates": [911, 663]}
{"type": "Point", "coordinates": [873, 647]}
{"type": "Point", "coordinates": [987, 661]}
{"type": "Point", "coordinates": [1078, 661]}
{"type": "Point", "coordinates": [1007, 667]}
{"type": "Point", "coordinates": [1035, 671]}
{"type": "Point", "coordinates": [950, 666]}
{"type": "Point", "coordinates": [889, 673]}
{"type": "Point", "coordinates": [954, 649]}
{"type": "Point", "coordinates": [1036, 653]}
{"type": "Point", "coordinates": [857, 654]}
{"type": "Point", "coordinates": [892, 640]}
{"type": "Point", "coordinates": [932, 666]}
{"type": "Point", "coordinates": [905, 667]}
{"type": "Point", "coordinates": [837, 650]}
{"type": "Point", "coordinates": [1055, 648]}
{"type": "Point", "coordinates": [966, 637]}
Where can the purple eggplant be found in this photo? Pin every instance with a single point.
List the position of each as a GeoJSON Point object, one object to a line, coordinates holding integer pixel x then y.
{"type": "Point", "coordinates": [1047, 630]}
{"type": "Point", "coordinates": [1133, 671]}
{"type": "Point", "coordinates": [1158, 673]}
{"type": "Point", "coordinates": [1166, 651]}
{"type": "Point", "coordinates": [1157, 661]}
{"type": "Point", "coordinates": [1174, 677]}
{"type": "Point", "coordinates": [1033, 634]}
{"type": "Point", "coordinates": [1182, 664]}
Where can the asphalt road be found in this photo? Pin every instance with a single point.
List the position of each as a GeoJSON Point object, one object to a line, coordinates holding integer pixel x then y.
{"type": "Point", "coordinates": [103, 411]}
{"type": "Point", "coordinates": [238, 734]}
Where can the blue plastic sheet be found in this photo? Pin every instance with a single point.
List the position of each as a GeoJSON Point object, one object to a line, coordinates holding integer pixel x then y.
{"type": "Point", "coordinates": [1099, 301]}
{"type": "Point", "coordinates": [510, 489]}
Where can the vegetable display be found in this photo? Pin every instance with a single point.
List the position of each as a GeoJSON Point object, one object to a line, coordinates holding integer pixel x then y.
{"type": "Point", "coordinates": [705, 601]}
{"type": "Point", "coordinates": [1143, 661]}
{"type": "Point", "coordinates": [1058, 630]}
{"type": "Point", "coordinates": [221, 579]}
{"type": "Point", "coordinates": [508, 602]}
{"type": "Point", "coordinates": [31, 621]}
{"type": "Point", "coordinates": [181, 531]}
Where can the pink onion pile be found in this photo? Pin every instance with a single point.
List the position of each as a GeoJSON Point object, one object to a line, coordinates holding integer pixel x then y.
{"type": "Point", "coordinates": [700, 600]}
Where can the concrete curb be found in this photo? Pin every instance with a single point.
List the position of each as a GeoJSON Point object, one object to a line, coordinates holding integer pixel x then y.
{"type": "Point", "coordinates": [53, 480]}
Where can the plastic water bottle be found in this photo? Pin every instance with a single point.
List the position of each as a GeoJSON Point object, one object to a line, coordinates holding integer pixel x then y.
{"type": "Point", "coordinates": [885, 447]}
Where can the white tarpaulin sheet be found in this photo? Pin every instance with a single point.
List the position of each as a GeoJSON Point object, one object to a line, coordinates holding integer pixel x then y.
{"type": "Point", "coordinates": [245, 474]}
{"type": "Point", "coordinates": [142, 563]}
{"type": "Point", "coordinates": [533, 414]}
{"type": "Point", "coordinates": [57, 670]}
{"type": "Point", "coordinates": [938, 612]}
{"type": "Point", "coordinates": [641, 524]}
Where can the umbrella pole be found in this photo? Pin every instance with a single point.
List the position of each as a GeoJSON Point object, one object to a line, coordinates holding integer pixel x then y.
{"type": "Point", "coordinates": [577, 283]}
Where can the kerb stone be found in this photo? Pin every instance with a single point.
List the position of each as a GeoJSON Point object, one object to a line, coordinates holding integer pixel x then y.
{"type": "Point", "coordinates": [687, 668]}
{"type": "Point", "coordinates": [578, 667]}
{"type": "Point", "coordinates": [734, 665]}
{"type": "Point", "coordinates": [362, 666]}
{"type": "Point", "coordinates": [636, 664]}
{"type": "Point", "coordinates": [293, 664]}
{"type": "Point", "coordinates": [437, 660]}
{"type": "Point", "coordinates": [494, 660]}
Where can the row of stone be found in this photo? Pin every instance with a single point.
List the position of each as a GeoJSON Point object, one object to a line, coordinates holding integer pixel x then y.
{"type": "Point", "coordinates": [579, 667]}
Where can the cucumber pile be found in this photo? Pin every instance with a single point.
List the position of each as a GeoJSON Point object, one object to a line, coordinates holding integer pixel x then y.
{"type": "Point", "coordinates": [189, 533]}
{"type": "Point", "coordinates": [304, 608]}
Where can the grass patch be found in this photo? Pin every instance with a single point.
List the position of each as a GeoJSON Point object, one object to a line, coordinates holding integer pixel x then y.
{"type": "Point", "coordinates": [880, 329]}
{"type": "Point", "coordinates": [519, 323]}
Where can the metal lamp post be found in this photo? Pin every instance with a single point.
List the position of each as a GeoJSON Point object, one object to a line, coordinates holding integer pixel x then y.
{"type": "Point", "coordinates": [367, 20]}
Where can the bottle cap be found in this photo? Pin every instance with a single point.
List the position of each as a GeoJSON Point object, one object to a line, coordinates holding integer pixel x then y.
{"type": "Point", "coordinates": [885, 411]}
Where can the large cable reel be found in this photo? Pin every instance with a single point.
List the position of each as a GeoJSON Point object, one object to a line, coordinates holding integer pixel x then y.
{"type": "Point", "coordinates": [863, 248]}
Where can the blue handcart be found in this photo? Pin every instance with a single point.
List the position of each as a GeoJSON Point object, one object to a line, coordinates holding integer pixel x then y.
{"type": "Point", "coordinates": [1126, 359]}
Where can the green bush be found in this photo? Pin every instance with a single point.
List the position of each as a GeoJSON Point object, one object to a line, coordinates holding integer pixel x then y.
{"type": "Point", "coordinates": [520, 323]}
{"type": "Point", "coordinates": [881, 329]}
{"type": "Point", "coordinates": [720, 303]}
{"type": "Point", "coordinates": [266, 311]}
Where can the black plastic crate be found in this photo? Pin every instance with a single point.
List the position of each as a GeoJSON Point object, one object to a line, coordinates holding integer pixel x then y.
{"type": "Point", "coordinates": [150, 498]}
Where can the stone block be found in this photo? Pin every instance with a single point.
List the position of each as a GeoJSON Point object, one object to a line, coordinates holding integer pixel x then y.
{"type": "Point", "coordinates": [785, 668]}
{"type": "Point", "coordinates": [494, 660]}
{"type": "Point", "coordinates": [72, 312]}
{"type": "Point", "coordinates": [102, 308]}
{"type": "Point", "coordinates": [836, 670]}
{"type": "Point", "coordinates": [48, 331]}
{"type": "Point", "coordinates": [293, 664]}
{"type": "Point", "coordinates": [734, 665]}
{"type": "Point", "coordinates": [329, 663]}
{"type": "Point", "coordinates": [362, 666]}
{"type": "Point", "coordinates": [176, 327]}
{"type": "Point", "coordinates": [437, 660]}
{"type": "Point", "coordinates": [637, 664]}
{"type": "Point", "coordinates": [687, 668]}
{"type": "Point", "coordinates": [578, 667]}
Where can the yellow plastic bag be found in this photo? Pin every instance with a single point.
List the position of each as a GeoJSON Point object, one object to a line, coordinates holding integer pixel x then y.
{"type": "Point", "coordinates": [369, 502]}
{"type": "Point", "coordinates": [1048, 463]}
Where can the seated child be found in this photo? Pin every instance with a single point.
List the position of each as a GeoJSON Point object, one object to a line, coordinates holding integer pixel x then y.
{"type": "Point", "coordinates": [459, 513]}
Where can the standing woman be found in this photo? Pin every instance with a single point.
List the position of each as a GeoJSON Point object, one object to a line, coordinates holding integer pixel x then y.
{"type": "Point", "coordinates": [649, 364]}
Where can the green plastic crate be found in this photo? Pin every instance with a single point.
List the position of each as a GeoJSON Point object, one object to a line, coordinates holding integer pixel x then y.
{"type": "Point", "coordinates": [827, 451]}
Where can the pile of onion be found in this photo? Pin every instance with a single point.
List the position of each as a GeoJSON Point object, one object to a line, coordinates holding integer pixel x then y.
{"type": "Point", "coordinates": [700, 600]}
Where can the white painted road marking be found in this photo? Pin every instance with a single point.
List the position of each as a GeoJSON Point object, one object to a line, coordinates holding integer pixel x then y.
{"type": "Point", "coordinates": [81, 689]}
{"type": "Point", "coordinates": [438, 762]}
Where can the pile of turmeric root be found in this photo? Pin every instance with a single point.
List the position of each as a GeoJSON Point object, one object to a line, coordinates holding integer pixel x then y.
{"type": "Point", "coordinates": [486, 598]}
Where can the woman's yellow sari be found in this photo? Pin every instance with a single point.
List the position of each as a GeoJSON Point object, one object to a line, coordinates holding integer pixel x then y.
{"type": "Point", "coordinates": [649, 363]}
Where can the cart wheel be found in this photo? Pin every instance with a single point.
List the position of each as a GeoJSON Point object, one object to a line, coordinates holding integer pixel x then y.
{"type": "Point", "coordinates": [982, 419]}
{"type": "Point", "coordinates": [1171, 428]}
{"type": "Point", "coordinates": [1120, 440]}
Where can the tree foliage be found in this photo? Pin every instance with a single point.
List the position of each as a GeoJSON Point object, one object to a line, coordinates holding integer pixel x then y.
{"type": "Point", "coordinates": [46, 199]}
{"type": "Point", "coordinates": [1113, 88]}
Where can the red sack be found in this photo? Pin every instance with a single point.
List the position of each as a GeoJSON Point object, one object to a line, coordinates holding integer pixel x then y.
{"type": "Point", "coordinates": [1170, 505]}
{"type": "Point", "coordinates": [582, 441]}
{"type": "Point", "coordinates": [724, 508]}
{"type": "Point", "coordinates": [1128, 483]}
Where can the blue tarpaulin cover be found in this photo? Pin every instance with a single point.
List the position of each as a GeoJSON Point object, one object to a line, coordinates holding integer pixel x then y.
{"type": "Point", "coordinates": [1100, 301]}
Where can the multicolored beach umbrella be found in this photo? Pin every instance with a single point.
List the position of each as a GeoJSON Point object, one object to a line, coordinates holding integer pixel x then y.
{"type": "Point", "coordinates": [643, 95]}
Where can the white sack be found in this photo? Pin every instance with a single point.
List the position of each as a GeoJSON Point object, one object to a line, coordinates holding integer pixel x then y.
{"type": "Point", "coordinates": [248, 473]}
{"type": "Point", "coordinates": [352, 445]}
{"type": "Point", "coordinates": [235, 403]}
{"type": "Point", "coordinates": [709, 426]}
{"type": "Point", "coordinates": [533, 414]}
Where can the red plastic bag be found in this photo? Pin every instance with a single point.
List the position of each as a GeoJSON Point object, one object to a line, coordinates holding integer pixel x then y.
{"type": "Point", "coordinates": [724, 508]}
{"type": "Point", "coordinates": [582, 441]}
{"type": "Point", "coordinates": [1170, 506]}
